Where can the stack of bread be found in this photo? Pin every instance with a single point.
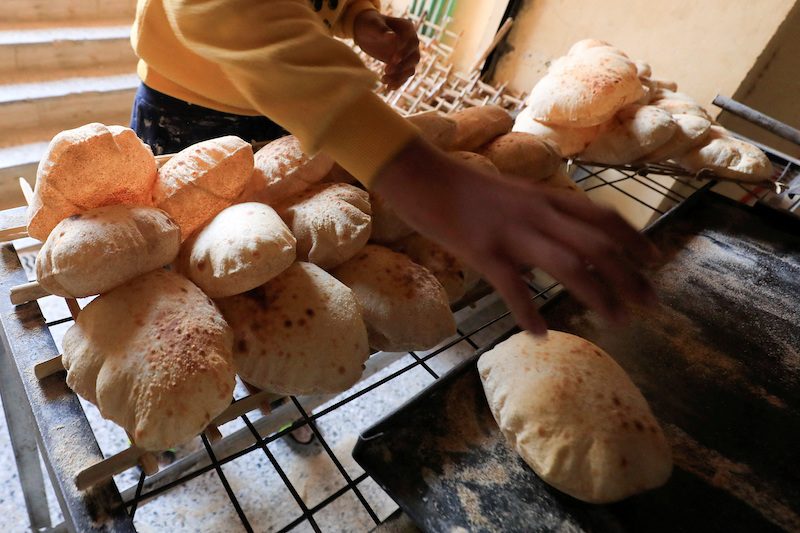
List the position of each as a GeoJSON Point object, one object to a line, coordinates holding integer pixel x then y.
{"type": "Point", "coordinates": [225, 262]}
{"type": "Point", "coordinates": [598, 104]}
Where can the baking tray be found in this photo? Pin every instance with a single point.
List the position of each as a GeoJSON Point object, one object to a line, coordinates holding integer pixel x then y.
{"type": "Point", "coordinates": [719, 362]}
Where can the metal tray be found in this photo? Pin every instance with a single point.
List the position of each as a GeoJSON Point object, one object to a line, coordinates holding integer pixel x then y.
{"type": "Point", "coordinates": [719, 362]}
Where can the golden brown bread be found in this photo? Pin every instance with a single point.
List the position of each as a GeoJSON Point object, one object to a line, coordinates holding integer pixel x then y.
{"type": "Point", "coordinates": [300, 333]}
{"type": "Point", "coordinates": [569, 141]}
{"type": "Point", "coordinates": [243, 247]}
{"type": "Point", "coordinates": [155, 356]}
{"type": "Point", "coordinates": [87, 167]}
{"type": "Point", "coordinates": [403, 304]}
{"type": "Point", "coordinates": [331, 222]}
{"type": "Point", "coordinates": [202, 180]}
{"type": "Point", "coordinates": [436, 128]}
{"type": "Point", "coordinates": [524, 155]}
{"type": "Point", "coordinates": [95, 251]}
{"type": "Point", "coordinates": [476, 126]}
{"type": "Point", "coordinates": [282, 170]}
{"type": "Point", "coordinates": [585, 89]}
{"type": "Point", "coordinates": [575, 417]}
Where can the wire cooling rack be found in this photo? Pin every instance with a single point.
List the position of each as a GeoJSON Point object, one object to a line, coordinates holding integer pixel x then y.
{"type": "Point", "coordinates": [643, 195]}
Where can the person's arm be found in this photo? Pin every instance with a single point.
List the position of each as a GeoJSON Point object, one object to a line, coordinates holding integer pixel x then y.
{"type": "Point", "coordinates": [281, 57]}
{"type": "Point", "coordinates": [501, 226]}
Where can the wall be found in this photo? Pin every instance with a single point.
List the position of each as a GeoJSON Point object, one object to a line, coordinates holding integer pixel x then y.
{"type": "Point", "coordinates": [478, 22]}
{"type": "Point", "coordinates": [773, 87]}
{"type": "Point", "coordinates": [708, 47]}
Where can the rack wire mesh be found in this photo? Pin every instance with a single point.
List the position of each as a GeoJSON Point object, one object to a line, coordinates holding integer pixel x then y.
{"type": "Point", "coordinates": [644, 195]}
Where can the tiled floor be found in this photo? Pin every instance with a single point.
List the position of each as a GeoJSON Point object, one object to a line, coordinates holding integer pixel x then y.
{"type": "Point", "coordinates": [203, 505]}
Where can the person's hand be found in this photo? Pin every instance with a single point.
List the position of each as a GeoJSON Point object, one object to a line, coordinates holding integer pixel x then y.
{"type": "Point", "coordinates": [391, 40]}
{"type": "Point", "coordinates": [501, 225]}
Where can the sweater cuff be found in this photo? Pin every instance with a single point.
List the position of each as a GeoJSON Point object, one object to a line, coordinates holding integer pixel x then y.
{"type": "Point", "coordinates": [366, 136]}
{"type": "Point", "coordinates": [348, 18]}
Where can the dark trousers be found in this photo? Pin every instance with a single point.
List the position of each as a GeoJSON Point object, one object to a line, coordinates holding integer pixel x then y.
{"type": "Point", "coordinates": [169, 125]}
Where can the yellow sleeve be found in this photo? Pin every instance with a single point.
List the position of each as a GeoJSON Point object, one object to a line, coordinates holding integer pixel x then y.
{"type": "Point", "coordinates": [279, 56]}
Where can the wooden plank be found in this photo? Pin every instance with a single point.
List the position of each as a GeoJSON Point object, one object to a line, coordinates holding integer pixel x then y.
{"type": "Point", "coordinates": [62, 431]}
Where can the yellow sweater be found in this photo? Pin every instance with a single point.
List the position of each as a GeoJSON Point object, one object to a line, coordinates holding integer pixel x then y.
{"type": "Point", "coordinates": [275, 58]}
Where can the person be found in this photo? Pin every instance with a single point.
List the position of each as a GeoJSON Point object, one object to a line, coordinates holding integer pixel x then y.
{"type": "Point", "coordinates": [255, 68]}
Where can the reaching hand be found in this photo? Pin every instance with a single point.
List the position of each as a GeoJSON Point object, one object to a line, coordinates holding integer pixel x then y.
{"type": "Point", "coordinates": [391, 40]}
{"type": "Point", "coordinates": [501, 225]}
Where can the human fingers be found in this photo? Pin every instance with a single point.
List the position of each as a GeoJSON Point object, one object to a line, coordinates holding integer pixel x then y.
{"type": "Point", "coordinates": [599, 249]}
{"type": "Point", "coordinates": [504, 277]}
{"type": "Point", "coordinates": [636, 245]}
{"type": "Point", "coordinates": [394, 81]}
{"type": "Point", "coordinates": [567, 267]}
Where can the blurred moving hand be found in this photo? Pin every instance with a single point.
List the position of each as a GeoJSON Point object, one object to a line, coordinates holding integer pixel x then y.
{"type": "Point", "coordinates": [501, 226]}
{"type": "Point", "coordinates": [390, 40]}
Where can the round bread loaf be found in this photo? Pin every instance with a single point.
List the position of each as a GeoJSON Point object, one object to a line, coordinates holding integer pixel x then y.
{"type": "Point", "coordinates": [635, 131]}
{"type": "Point", "coordinates": [301, 333]}
{"type": "Point", "coordinates": [476, 126]}
{"type": "Point", "coordinates": [729, 157]}
{"type": "Point", "coordinates": [387, 226]}
{"type": "Point", "coordinates": [404, 306]}
{"type": "Point", "coordinates": [455, 276]}
{"type": "Point", "coordinates": [657, 85]}
{"type": "Point", "coordinates": [575, 417]}
{"type": "Point", "coordinates": [87, 167]}
{"type": "Point", "coordinates": [586, 44]}
{"type": "Point", "coordinates": [436, 128]}
{"type": "Point", "coordinates": [524, 155]}
{"type": "Point", "coordinates": [569, 141]}
{"type": "Point", "coordinates": [283, 170]}
{"type": "Point", "coordinates": [155, 356]}
{"type": "Point", "coordinates": [691, 131]}
{"type": "Point", "coordinates": [202, 180]}
{"type": "Point", "coordinates": [585, 89]}
{"type": "Point", "coordinates": [93, 252]}
{"type": "Point", "coordinates": [476, 161]}
{"type": "Point", "coordinates": [331, 222]}
{"type": "Point", "coordinates": [681, 107]}
{"type": "Point", "coordinates": [243, 247]}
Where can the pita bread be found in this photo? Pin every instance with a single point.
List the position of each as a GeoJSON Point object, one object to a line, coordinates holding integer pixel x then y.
{"type": "Point", "coordinates": [436, 128]}
{"type": "Point", "coordinates": [656, 85]}
{"type": "Point", "coordinates": [154, 355]}
{"type": "Point", "coordinates": [455, 276]}
{"type": "Point", "coordinates": [202, 180]}
{"type": "Point", "coordinates": [301, 333]}
{"type": "Point", "coordinates": [339, 175]}
{"type": "Point", "coordinates": [728, 157]}
{"type": "Point", "coordinates": [523, 155]}
{"type": "Point", "coordinates": [682, 107]}
{"type": "Point", "coordinates": [87, 167]}
{"type": "Point", "coordinates": [282, 170]}
{"type": "Point", "coordinates": [331, 222]}
{"type": "Point", "coordinates": [95, 251]}
{"type": "Point", "coordinates": [691, 131]}
{"type": "Point", "coordinates": [242, 248]}
{"type": "Point", "coordinates": [570, 141]}
{"type": "Point", "coordinates": [634, 132]}
{"type": "Point", "coordinates": [586, 44]}
{"type": "Point", "coordinates": [476, 126]}
{"type": "Point", "coordinates": [585, 89]}
{"type": "Point", "coordinates": [575, 417]}
{"type": "Point", "coordinates": [387, 226]}
{"type": "Point", "coordinates": [404, 306]}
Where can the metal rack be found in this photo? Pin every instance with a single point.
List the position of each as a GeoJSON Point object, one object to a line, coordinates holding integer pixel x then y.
{"type": "Point", "coordinates": [56, 414]}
